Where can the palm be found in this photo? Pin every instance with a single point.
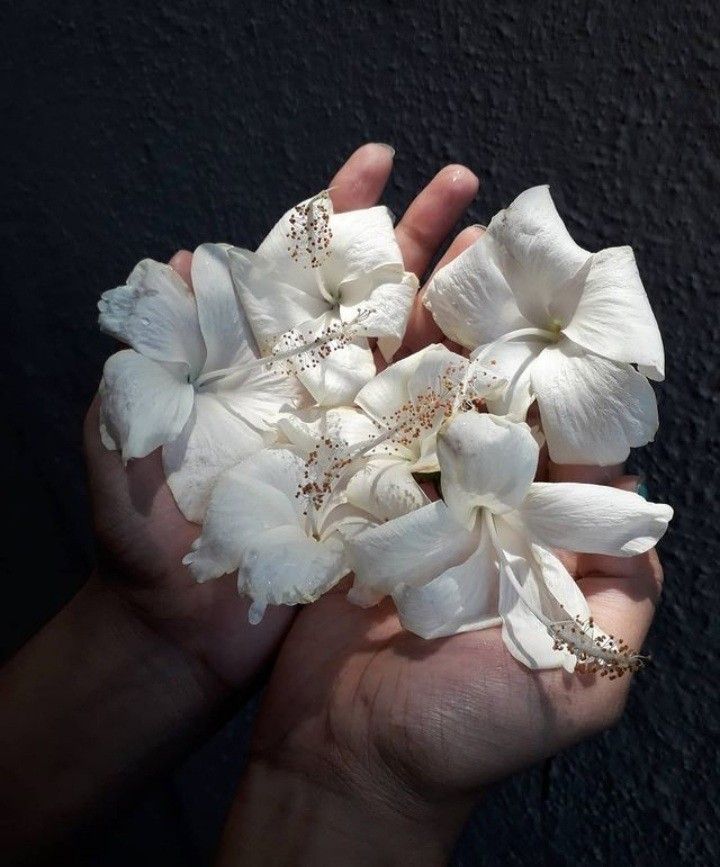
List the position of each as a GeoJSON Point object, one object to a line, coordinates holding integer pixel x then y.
{"type": "Point", "coordinates": [453, 713]}
{"type": "Point", "coordinates": [143, 537]}
{"type": "Point", "coordinates": [352, 688]}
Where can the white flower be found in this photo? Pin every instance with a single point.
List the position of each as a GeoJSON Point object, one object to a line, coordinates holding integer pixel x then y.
{"type": "Point", "coordinates": [280, 517]}
{"type": "Point", "coordinates": [192, 382]}
{"type": "Point", "coordinates": [318, 286]}
{"type": "Point", "coordinates": [483, 557]}
{"type": "Point", "coordinates": [411, 399]}
{"type": "Point", "coordinates": [563, 325]}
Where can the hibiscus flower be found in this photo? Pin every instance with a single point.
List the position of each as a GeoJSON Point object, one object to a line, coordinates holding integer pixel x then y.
{"type": "Point", "coordinates": [192, 382]}
{"type": "Point", "coordinates": [484, 556]}
{"type": "Point", "coordinates": [318, 286]}
{"type": "Point", "coordinates": [565, 327]}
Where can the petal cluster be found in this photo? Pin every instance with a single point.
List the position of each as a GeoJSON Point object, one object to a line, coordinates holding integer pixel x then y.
{"type": "Point", "coordinates": [259, 384]}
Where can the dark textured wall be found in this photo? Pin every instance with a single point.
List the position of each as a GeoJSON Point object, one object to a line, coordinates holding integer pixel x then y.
{"type": "Point", "coordinates": [132, 130]}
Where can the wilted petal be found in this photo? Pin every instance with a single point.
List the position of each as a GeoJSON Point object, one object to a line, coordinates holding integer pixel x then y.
{"type": "Point", "coordinates": [462, 599]}
{"type": "Point", "coordinates": [470, 299]}
{"type": "Point", "coordinates": [512, 361]}
{"type": "Point", "coordinates": [592, 518]}
{"type": "Point", "coordinates": [336, 379]}
{"type": "Point", "coordinates": [551, 590]}
{"type": "Point", "coordinates": [593, 410]}
{"type": "Point", "coordinates": [256, 523]}
{"type": "Point", "coordinates": [363, 241]}
{"type": "Point", "coordinates": [283, 566]}
{"type": "Point", "coordinates": [385, 488]}
{"type": "Point", "coordinates": [543, 266]}
{"type": "Point", "coordinates": [228, 337]}
{"type": "Point", "coordinates": [155, 313]}
{"type": "Point", "coordinates": [258, 394]}
{"type": "Point", "coordinates": [385, 314]}
{"type": "Point", "coordinates": [144, 403]}
{"type": "Point", "coordinates": [256, 495]}
{"type": "Point", "coordinates": [485, 462]}
{"type": "Point", "coordinates": [212, 441]}
{"type": "Point", "coordinates": [273, 300]}
{"type": "Point", "coordinates": [614, 318]}
{"type": "Point", "coordinates": [412, 549]}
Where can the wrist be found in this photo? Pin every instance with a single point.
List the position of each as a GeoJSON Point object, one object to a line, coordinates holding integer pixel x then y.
{"type": "Point", "coordinates": [123, 703]}
{"type": "Point", "coordinates": [283, 816]}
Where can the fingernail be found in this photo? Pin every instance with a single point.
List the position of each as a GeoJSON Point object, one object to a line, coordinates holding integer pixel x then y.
{"type": "Point", "coordinates": [479, 226]}
{"type": "Point", "coordinates": [386, 146]}
{"type": "Point", "coordinates": [642, 488]}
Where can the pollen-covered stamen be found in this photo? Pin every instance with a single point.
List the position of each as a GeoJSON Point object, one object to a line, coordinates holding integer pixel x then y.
{"type": "Point", "coordinates": [407, 424]}
{"type": "Point", "coordinates": [595, 651]}
{"type": "Point", "coordinates": [310, 232]}
{"type": "Point", "coordinates": [299, 350]}
{"type": "Point", "coordinates": [325, 465]}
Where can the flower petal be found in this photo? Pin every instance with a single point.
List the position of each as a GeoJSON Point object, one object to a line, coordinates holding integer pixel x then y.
{"type": "Point", "coordinates": [144, 403]}
{"type": "Point", "coordinates": [614, 318]}
{"type": "Point", "coordinates": [485, 462]}
{"type": "Point", "coordinates": [470, 299]}
{"type": "Point", "coordinates": [550, 588]}
{"type": "Point", "coordinates": [258, 394]}
{"type": "Point", "coordinates": [412, 549]}
{"type": "Point", "coordinates": [212, 441]}
{"type": "Point", "coordinates": [155, 313]}
{"type": "Point", "coordinates": [274, 300]}
{"type": "Point", "coordinates": [282, 566]}
{"type": "Point", "coordinates": [256, 495]}
{"type": "Point", "coordinates": [512, 362]}
{"type": "Point", "coordinates": [543, 266]}
{"type": "Point", "coordinates": [593, 519]}
{"type": "Point", "coordinates": [389, 389]}
{"type": "Point", "coordinates": [343, 425]}
{"type": "Point", "coordinates": [461, 599]}
{"type": "Point", "coordinates": [336, 379]}
{"type": "Point", "coordinates": [385, 488]}
{"type": "Point", "coordinates": [227, 333]}
{"type": "Point", "coordinates": [363, 241]}
{"type": "Point", "coordinates": [593, 410]}
{"type": "Point", "coordinates": [386, 313]}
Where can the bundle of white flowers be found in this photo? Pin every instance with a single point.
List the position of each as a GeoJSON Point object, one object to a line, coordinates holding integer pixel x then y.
{"type": "Point", "coordinates": [304, 465]}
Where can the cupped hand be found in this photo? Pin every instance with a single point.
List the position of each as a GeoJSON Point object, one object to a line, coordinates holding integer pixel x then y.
{"type": "Point", "coordinates": [396, 726]}
{"type": "Point", "coordinates": [142, 535]}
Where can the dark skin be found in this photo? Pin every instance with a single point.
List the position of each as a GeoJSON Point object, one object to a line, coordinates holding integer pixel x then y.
{"type": "Point", "coordinates": [368, 736]}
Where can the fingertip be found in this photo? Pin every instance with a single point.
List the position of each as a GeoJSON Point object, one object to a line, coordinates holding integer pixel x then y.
{"type": "Point", "coordinates": [181, 262]}
{"type": "Point", "coordinates": [460, 178]}
{"type": "Point", "coordinates": [360, 181]}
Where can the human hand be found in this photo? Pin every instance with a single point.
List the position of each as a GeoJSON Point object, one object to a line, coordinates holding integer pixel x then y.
{"type": "Point", "coordinates": [372, 743]}
{"type": "Point", "coordinates": [143, 536]}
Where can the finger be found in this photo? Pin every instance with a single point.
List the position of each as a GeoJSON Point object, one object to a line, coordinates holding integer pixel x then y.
{"type": "Point", "coordinates": [582, 473]}
{"type": "Point", "coordinates": [360, 182]}
{"type": "Point", "coordinates": [624, 606]}
{"type": "Point", "coordinates": [432, 215]}
{"type": "Point", "coordinates": [422, 329]}
{"type": "Point", "coordinates": [182, 262]}
{"type": "Point", "coordinates": [641, 567]}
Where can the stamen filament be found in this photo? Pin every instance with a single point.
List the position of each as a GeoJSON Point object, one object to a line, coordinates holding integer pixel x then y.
{"type": "Point", "coordinates": [597, 652]}
{"type": "Point", "coordinates": [483, 351]}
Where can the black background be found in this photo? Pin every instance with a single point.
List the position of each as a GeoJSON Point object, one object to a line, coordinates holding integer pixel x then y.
{"type": "Point", "coordinates": [132, 130]}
